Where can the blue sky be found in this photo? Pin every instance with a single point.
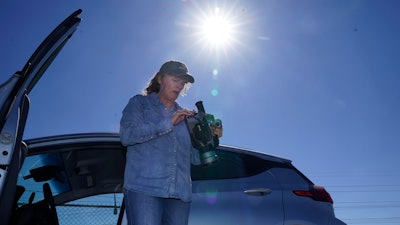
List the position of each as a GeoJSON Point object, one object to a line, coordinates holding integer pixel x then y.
{"type": "Point", "coordinates": [313, 81]}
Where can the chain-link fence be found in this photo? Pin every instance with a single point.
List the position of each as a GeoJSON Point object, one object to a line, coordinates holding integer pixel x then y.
{"type": "Point", "coordinates": [73, 214]}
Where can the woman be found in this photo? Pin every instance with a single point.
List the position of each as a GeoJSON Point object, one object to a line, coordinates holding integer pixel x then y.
{"type": "Point", "coordinates": [157, 185]}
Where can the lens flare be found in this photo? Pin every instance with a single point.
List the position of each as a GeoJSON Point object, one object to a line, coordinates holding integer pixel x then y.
{"type": "Point", "coordinates": [215, 73]}
{"type": "Point", "coordinates": [211, 196]}
{"type": "Point", "coordinates": [214, 92]}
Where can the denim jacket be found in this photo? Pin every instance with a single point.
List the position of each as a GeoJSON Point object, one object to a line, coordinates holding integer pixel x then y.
{"type": "Point", "coordinates": [159, 154]}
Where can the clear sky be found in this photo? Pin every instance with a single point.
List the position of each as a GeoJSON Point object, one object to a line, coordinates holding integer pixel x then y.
{"type": "Point", "coordinates": [315, 81]}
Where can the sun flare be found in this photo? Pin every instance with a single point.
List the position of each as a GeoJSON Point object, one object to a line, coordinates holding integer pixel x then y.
{"type": "Point", "coordinates": [217, 29]}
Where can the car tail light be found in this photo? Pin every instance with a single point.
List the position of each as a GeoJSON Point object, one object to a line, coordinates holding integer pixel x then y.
{"type": "Point", "coordinates": [317, 193]}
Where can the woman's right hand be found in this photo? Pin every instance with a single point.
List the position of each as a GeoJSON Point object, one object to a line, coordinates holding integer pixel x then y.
{"type": "Point", "coordinates": [180, 115]}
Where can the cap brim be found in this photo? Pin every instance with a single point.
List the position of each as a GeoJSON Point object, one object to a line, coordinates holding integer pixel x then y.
{"type": "Point", "coordinates": [189, 78]}
{"type": "Point", "coordinates": [186, 76]}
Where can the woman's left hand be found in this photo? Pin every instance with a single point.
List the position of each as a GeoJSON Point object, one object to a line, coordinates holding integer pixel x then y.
{"type": "Point", "coordinates": [216, 131]}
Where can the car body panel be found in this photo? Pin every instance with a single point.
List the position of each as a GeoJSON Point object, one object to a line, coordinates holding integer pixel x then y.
{"type": "Point", "coordinates": [301, 210]}
{"type": "Point", "coordinates": [251, 200]}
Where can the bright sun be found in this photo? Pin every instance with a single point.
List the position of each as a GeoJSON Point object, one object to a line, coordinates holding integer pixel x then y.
{"type": "Point", "coordinates": [216, 29]}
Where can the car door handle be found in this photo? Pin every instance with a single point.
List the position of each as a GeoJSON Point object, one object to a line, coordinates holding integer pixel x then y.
{"type": "Point", "coordinates": [258, 191]}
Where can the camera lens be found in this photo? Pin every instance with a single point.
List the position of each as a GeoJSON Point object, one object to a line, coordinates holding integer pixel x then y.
{"type": "Point", "coordinates": [218, 123]}
{"type": "Point", "coordinates": [208, 157]}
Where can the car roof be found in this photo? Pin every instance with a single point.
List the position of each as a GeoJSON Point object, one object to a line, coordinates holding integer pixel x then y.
{"type": "Point", "coordinates": [107, 139]}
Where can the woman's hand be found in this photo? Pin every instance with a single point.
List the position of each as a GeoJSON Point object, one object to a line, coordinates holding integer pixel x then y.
{"type": "Point", "coordinates": [180, 115]}
{"type": "Point", "coordinates": [216, 131]}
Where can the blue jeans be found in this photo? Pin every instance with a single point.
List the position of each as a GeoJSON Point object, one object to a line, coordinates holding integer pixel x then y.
{"type": "Point", "coordinates": [143, 209]}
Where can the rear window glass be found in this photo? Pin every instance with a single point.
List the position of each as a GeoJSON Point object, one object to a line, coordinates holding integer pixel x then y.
{"type": "Point", "coordinates": [233, 165]}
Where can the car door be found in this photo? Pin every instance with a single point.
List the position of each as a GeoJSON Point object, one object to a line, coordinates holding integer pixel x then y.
{"type": "Point", "coordinates": [14, 107]}
{"type": "Point", "coordinates": [237, 190]}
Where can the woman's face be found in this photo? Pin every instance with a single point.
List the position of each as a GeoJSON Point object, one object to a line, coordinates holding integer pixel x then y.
{"type": "Point", "coordinates": [170, 87]}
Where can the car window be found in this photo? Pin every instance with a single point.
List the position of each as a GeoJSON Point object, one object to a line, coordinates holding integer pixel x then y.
{"type": "Point", "coordinates": [233, 165]}
{"type": "Point", "coordinates": [95, 210]}
{"type": "Point", "coordinates": [40, 169]}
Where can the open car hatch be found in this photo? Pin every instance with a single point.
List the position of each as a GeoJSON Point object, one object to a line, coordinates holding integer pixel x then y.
{"type": "Point", "coordinates": [14, 107]}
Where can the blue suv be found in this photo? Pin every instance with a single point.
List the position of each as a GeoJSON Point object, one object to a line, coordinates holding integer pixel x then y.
{"type": "Point", "coordinates": [77, 178]}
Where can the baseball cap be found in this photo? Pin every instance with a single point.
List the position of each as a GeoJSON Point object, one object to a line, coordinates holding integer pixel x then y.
{"type": "Point", "coordinates": [177, 68]}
